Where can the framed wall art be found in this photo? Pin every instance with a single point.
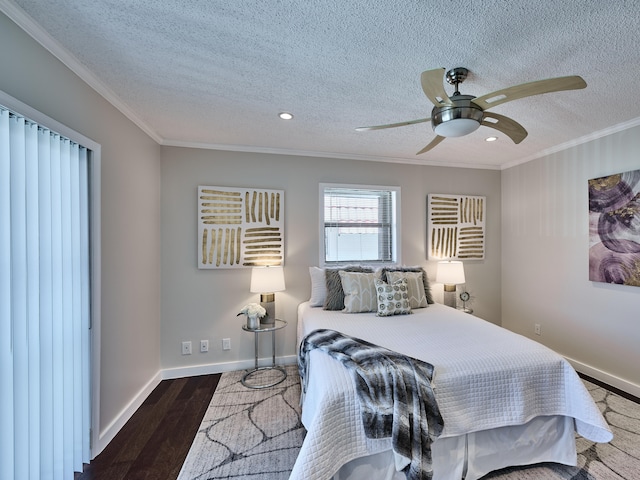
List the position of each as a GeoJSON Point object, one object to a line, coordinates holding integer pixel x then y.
{"type": "Point", "coordinates": [456, 226]}
{"type": "Point", "coordinates": [240, 227]}
{"type": "Point", "coordinates": [614, 229]}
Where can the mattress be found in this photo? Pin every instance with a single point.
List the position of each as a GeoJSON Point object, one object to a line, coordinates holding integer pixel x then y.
{"type": "Point", "coordinates": [487, 380]}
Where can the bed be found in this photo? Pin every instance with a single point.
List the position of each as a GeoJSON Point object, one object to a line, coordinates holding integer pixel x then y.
{"type": "Point", "coordinates": [505, 399]}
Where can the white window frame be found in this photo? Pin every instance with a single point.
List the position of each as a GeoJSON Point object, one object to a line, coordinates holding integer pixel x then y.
{"type": "Point", "coordinates": [396, 231]}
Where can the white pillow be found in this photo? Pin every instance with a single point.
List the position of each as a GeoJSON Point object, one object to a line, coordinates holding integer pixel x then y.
{"type": "Point", "coordinates": [318, 287]}
{"type": "Point", "coordinates": [392, 299]}
{"type": "Point", "coordinates": [359, 292]}
{"type": "Point", "coordinates": [417, 295]}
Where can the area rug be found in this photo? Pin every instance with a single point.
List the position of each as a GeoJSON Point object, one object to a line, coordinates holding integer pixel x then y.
{"type": "Point", "coordinates": [246, 433]}
{"type": "Point", "coordinates": [257, 434]}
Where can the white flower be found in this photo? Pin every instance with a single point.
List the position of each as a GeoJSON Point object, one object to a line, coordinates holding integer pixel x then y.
{"type": "Point", "coordinates": [253, 309]}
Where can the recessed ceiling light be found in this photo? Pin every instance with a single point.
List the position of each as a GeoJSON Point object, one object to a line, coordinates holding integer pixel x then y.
{"type": "Point", "coordinates": [490, 139]}
{"type": "Point", "coordinates": [285, 116]}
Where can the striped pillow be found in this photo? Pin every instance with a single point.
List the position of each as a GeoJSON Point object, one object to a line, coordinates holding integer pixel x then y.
{"type": "Point", "coordinates": [359, 292]}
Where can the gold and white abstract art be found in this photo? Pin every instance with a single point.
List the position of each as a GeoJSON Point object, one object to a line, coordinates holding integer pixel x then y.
{"type": "Point", "coordinates": [240, 227]}
{"type": "Point", "coordinates": [456, 227]}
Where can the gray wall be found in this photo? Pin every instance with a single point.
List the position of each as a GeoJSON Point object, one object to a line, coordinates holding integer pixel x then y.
{"type": "Point", "coordinates": [130, 277]}
{"type": "Point", "coordinates": [202, 304]}
{"type": "Point", "coordinates": [545, 261]}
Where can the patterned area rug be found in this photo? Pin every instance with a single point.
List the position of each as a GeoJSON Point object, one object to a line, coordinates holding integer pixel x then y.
{"type": "Point", "coordinates": [246, 433]}
{"type": "Point", "coordinates": [256, 435]}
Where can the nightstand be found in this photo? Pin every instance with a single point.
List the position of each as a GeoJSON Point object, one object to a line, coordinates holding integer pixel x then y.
{"type": "Point", "coordinates": [281, 373]}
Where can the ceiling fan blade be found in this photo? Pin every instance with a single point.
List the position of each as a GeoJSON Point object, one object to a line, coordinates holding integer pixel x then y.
{"type": "Point", "coordinates": [433, 88]}
{"type": "Point", "coordinates": [393, 125]}
{"type": "Point", "coordinates": [433, 143]}
{"type": "Point", "coordinates": [529, 89]}
{"type": "Point", "coordinates": [509, 127]}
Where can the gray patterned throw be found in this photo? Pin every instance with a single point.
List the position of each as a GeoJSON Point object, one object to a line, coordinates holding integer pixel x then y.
{"type": "Point", "coordinates": [394, 392]}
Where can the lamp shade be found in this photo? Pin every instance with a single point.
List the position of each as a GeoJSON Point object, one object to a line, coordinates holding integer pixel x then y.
{"type": "Point", "coordinates": [450, 273]}
{"type": "Point", "coordinates": [267, 279]}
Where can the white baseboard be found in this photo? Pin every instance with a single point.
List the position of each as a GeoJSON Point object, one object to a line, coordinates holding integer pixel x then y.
{"type": "Point", "coordinates": [209, 368]}
{"type": "Point", "coordinates": [605, 377]}
{"type": "Point", "coordinates": [114, 427]}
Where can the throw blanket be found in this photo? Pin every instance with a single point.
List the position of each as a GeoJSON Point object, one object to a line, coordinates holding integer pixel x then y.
{"type": "Point", "coordinates": [394, 391]}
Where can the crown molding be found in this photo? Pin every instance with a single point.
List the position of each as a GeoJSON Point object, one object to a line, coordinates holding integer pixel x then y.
{"type": "Point", "coordinates": [339, 156]}
{"type": "Point", "coordinates": [620, 127]}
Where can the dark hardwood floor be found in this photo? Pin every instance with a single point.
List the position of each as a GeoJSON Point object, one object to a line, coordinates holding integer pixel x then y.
{"type": "Point", "coordinates": [154, 443]}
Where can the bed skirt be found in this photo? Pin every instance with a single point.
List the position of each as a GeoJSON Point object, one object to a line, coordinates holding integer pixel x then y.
{"type": "Point", "coordinates": [544, 439]}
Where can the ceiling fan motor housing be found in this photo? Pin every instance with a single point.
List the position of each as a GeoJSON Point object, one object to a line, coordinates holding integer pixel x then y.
{"type": "Point", "coordinates": [457, 120]}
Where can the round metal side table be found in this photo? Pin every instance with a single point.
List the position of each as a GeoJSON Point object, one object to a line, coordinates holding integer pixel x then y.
{"type": "Point", "coordinates": [279, 324]}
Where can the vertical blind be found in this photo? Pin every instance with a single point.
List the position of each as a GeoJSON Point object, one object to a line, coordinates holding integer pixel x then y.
{"type": "Point", "coordinates": [44, 302]}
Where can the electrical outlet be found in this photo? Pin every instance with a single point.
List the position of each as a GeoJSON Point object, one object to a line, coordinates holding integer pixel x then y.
{"type": "Point", "coordinates": [537, 329]}
{"type": "Point", "coordinates": [186, 348]}
{"type": "Point", "coordinates": [204, 346]}
{"type": "Point", "coordinates": [226, 344]}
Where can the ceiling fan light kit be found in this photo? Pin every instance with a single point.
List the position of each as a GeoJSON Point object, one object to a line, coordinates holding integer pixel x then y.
{"type": "Point", "coordinates": [456, 127]}
{"type": "Point", "coordinates": [460, 115]}
{"type": "Point", "coordinates": [461, 118]}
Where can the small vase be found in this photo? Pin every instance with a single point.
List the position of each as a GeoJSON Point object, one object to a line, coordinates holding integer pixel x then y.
{"type": "Point", "coordinates": [252, 322]}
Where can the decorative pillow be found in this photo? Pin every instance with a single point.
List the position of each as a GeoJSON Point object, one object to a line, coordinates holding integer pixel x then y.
{"type": "Point", "coordinates": [318, 287]}
{"type": "Point", "coordinates": [359, 292]}
{"type": "Point", "coordinates": [425, 280]}
{"type": "Point", "coordinates": [392, 299]}
{"type": "Point", "coordinates": [335, 295]}
{"type": "Point", "coordinates": [417, 297]}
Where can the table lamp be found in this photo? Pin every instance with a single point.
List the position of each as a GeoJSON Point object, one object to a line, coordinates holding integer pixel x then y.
{"type": "Point", "coordinates": [266, 281]}
{"type": "Point", "coordinates": [451, 273]}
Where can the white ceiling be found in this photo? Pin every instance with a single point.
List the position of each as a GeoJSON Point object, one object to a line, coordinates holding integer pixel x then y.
{"type": "Point", "coordinates": [215, 73]}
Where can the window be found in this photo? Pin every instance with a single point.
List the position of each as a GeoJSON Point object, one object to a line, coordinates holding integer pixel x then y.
{"type": "Point", "coordinates": [359, 224]}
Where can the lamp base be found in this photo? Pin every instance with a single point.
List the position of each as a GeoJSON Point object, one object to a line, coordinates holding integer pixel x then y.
{"type": "Point", "coordinates": [450, 298]}
{"type": "Point", "coordinates": [267, 300]}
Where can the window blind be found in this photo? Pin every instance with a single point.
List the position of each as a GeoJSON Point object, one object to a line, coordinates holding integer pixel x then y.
{"type": "Point", "coordinates": [44, 302]}
{"type": "Point", "coordinates": [359, 225]}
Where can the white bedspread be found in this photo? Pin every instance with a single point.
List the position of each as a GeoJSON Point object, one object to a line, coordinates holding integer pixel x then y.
{"type": "Point", "coordinates": [486, 377]}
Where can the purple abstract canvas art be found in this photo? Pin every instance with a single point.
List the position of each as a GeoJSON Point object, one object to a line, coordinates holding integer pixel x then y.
{"type": "Point", "coordinates": [614, 229]}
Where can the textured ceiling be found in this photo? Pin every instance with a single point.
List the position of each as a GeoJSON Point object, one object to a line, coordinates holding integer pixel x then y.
{"type": "Point", "coordinates": [216, 73]}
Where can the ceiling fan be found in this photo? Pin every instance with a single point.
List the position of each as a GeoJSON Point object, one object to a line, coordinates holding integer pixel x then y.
{"type": "Point", "coordinates": [461, 115]}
